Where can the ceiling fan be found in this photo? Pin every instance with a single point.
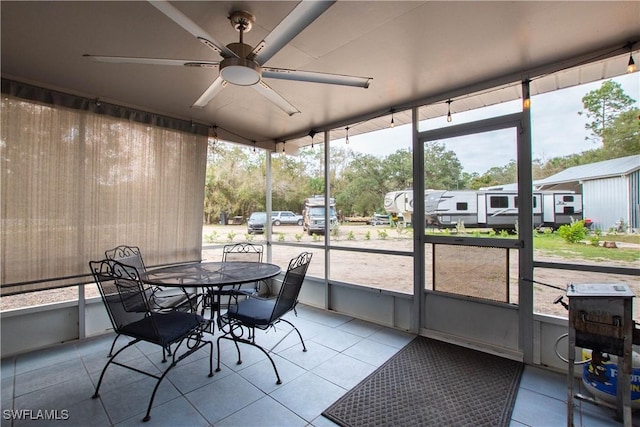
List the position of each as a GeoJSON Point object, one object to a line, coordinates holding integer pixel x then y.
{"type": "Point", "coordinates": [241, 64]}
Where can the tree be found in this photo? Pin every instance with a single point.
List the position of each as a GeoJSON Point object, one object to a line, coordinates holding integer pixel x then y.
{"type": "Point", "coordinates": [363, 186]}
{"type": "Point", "coordinates": [497, 175]}
{"type": "Point", "coordinates": [235, 182]}
{"type": "Point", "coordinates": [442, 169]}
{"type": "Point", "coordinates": [603, 106]}
{"type": "Point", "coordinates": [614, 121]}
{"type": "Point", "coordinates": [622, 138]}
{"type": "Point", "coordinates": [397, 169]}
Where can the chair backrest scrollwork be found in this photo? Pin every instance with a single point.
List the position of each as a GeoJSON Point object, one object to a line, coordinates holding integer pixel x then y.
{"type": "Point", "coordinates": [124, 295]}
{"type": "Point", "coordinates": [242, 252]}
{"type": "Point", "coordinates": [128, 255]}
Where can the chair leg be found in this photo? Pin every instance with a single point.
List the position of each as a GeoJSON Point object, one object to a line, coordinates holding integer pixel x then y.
{"type": "Point", "coordinates": [174, 362]}
{"type": "Point", "coordinates": [113, 345]}
{"type": "Point", "coordinates": [242, 340]}
{"type": "Point", "coordinates": [239, 362]}
{"type": "Point", "coordinates": [304, 347]}
{"type": "Point", "coordinates": [111, 359]}
{"type": "Point", "coordinates": [191, 348]}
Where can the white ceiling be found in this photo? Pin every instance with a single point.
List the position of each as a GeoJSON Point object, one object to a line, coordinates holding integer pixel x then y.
{"type": "Point", "coordinates": [414, 51]}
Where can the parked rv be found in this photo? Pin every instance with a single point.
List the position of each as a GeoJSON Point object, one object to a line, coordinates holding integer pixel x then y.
{"type": "Point", "coordinates": [499, 209]}
{"type": "Point", "coordinates": [400, 203]}
{"type": "Point", "coordinates": [314, 215]}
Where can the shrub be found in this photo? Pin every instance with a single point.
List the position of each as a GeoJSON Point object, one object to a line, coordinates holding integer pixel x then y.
{"type": "Point", "coordinates": [231, 235]}
{"type": "Point", "coordinates": [280, 237]}
{"type": "Point", "coordinates": [595, 239]}
{"type": "Point", "coordinates": [351, 236]}
{"type": "Point", "coordinates": [367, 235]}
{"type": "Point", "coordinates": [211, 237]}
{"type": "Point", "coordinates": [383, 234]}
{"type": "Point", "coordinates": [335, 232]}
{"type": "Point", "coordinates": [574, 232]}
{"type": "Point", "coordinates": [298, 237]}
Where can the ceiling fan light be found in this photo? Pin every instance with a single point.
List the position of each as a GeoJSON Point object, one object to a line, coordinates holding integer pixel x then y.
{"type": "Point", "coordinates": [240, 72]}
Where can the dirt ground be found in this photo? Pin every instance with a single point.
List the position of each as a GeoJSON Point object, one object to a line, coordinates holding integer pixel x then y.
{"type": "Point", "coordinates": [465, 270]}
{"type": "Point", "coordinates": [396, 273]}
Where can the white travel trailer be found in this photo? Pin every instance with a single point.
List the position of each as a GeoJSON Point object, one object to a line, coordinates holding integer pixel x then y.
{"type": "Point", "coordinates": [499, 209]}
{"type": "Point", "coordinates": [400, 203]}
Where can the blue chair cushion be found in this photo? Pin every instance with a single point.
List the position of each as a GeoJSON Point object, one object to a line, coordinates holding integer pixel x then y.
{"type": "Point", "coordinates": [171, 326]}
{"type": "Point", "coordinates": [253, 311]}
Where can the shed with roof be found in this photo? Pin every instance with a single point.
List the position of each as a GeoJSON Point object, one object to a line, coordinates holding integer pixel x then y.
{"type": "Point", "coordinates": [610, 191]}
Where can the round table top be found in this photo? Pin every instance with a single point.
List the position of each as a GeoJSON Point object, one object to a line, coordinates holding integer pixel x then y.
{"type": "Point", "coordinates": [211, 273]}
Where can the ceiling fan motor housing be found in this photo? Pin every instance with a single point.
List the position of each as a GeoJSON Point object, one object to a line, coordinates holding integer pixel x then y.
{"type": "Point", "coordinates": [240, 71]}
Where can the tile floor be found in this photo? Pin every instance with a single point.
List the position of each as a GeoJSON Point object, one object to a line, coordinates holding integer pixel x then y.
{"type": "Point", "coordinates": [342, 352]}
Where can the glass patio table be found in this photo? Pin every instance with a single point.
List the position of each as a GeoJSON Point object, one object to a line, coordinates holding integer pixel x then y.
{"type": "Point", "coordinates": [213, 277]}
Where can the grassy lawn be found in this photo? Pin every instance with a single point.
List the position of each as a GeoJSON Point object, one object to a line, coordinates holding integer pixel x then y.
{"type": "Point", "coordinates": [627, 238]}
{"type": "Point", "coordinates": [553, 244]}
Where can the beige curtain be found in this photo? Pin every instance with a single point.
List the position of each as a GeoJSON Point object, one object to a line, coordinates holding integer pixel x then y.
{"type": "Point", "coordinates": [74, 183]}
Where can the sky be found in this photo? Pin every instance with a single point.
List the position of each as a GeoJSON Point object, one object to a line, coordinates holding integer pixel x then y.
{"type": "Point", "coordinates": [558, 129]}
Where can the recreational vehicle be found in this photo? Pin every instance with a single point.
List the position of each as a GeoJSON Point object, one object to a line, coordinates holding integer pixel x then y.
{"type": "Point", "coordinates": [400, 203]}
{"type": "Point", "coordinates": [314, 215]}
{"type": "Point", "coordinates": [499, 209]}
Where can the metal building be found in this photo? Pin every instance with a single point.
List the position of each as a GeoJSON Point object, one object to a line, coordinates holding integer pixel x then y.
{"type": "Point", "coordinates": [610, 191]}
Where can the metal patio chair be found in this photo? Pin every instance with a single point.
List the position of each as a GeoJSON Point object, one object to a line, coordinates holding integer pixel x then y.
{"type": "Point", "coordinates": [241, 320]}
{"type": "Point", "coordinates": [160, 299]}
{"type": "Point", "coordinates": [238, 252]}
{"type": "Point", "coordinates": [244, 252]}
{"type": "Point", "coordinates": [128, 304]}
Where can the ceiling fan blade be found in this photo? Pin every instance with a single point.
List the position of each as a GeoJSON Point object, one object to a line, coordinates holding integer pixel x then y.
{"type": "Point", "coordinates": [312, 76]}
{"type": "Point", "coordinates": [276, 98]}
{"type": "Point", "coordinates": [304, 14]}
{"type": "Point", "coordinates": [217, 85]}
{"type": "Point", "coordinates": [153, 61]}
{"type": "Point", "coordinates": [186, 23]}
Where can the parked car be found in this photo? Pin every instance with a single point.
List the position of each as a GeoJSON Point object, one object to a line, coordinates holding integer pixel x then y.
{"type": "Point", "coordinates": [379, 219]}
{"type": "Point", "coordinates": [285, 217]}
{"type": "Point", "coordinates": [256, 222]}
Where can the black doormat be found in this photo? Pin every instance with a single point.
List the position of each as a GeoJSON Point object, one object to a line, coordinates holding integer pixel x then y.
{"type": "Point", "coordinates": [433, 383]}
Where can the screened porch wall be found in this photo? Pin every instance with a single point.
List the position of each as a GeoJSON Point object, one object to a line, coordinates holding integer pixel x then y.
{"type": "Point", "coordinates": [75, 183]}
